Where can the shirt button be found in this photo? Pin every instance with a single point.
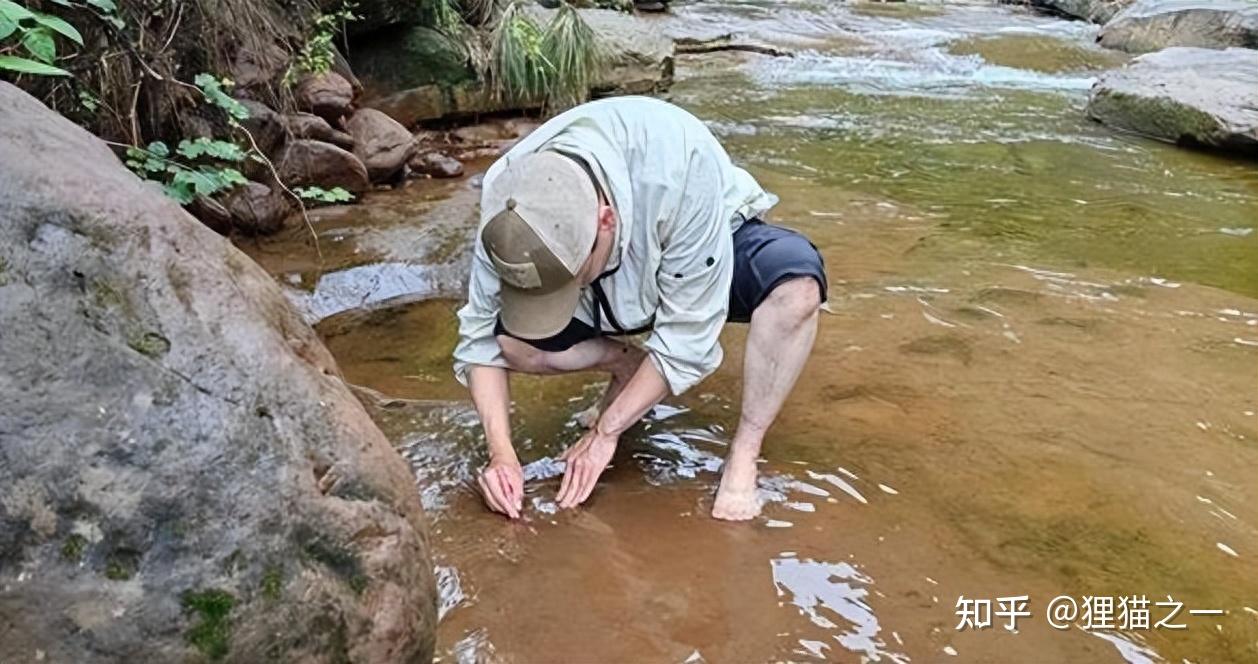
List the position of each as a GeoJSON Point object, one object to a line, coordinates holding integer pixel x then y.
{"type": "Point", "coordinates": [711, 261]}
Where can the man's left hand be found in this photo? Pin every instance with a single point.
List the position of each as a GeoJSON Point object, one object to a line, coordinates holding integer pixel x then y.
{"type": "Point", "coordinates": [586, 461]}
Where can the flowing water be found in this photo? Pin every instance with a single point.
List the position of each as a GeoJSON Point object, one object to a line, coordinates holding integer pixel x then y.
{"type": "Point", "coordinates": [1040, 377]}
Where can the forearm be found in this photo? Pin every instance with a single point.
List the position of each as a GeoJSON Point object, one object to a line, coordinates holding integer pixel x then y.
{"type": "Point", "coordinates": [492, 396]}
{"type": "Point", "coordinates": [644, 390]}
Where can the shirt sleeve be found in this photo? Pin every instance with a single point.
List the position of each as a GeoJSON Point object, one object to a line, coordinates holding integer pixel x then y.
{"type": "Point", "coordinates": [477, 319]}
{"type": "Point", "coordinates": [696, 268]}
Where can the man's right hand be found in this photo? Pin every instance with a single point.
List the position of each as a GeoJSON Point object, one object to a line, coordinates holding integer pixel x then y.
{"type": "Point", "coordinates": [502, 486]}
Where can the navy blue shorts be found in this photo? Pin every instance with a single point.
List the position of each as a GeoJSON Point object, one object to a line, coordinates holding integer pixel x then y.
{"type": "Point", "coordinates": [764, 256]}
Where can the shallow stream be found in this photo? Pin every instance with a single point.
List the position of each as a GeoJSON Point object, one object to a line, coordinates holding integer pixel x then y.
{"type": "Point", "coordinates": [1040, 377]}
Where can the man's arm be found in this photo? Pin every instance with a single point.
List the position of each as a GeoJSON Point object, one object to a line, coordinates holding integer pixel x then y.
{"type": "Point", "coordinates": [694, 278]}
{"type": "Point", "coordinates": [587, 459]}
{"type": "Point", "coordinates": [478, 363]}
{"type": "Point", "coordinates": [502, 481]}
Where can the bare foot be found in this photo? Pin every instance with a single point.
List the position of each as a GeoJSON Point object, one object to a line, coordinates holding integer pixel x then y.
{"type": "Point", "coordinates": [736, 498]}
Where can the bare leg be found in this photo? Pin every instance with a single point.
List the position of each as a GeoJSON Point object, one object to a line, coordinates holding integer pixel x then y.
{"type": "Point", "coordinates": [782, 331]}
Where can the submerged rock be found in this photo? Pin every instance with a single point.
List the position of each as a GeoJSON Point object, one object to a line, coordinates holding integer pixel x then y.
{"type": "Point", "coordinates": [437, 165]}
{"type": "Point", "coordinates": [1151, 25]}
{"type": "Point", "coordinates": [183, 475]}
{"type": "Point", "coordinates": [383, 145]}
{"type": "Point", "coordinates": [305, 163]}
{"type": "Point", "coordinates": [1194, 96]}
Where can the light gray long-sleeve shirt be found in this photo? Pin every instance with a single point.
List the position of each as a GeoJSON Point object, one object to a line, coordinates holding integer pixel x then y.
{"type": "Point", "coordinates": [678, 201]}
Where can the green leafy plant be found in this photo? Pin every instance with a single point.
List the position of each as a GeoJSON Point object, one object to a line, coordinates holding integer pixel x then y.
{"type": "Point", "coordinates": [202, 166]}
{"type": "Point", "coordinates": [215, 92]}
{"type": "Point", "coordinates": [557, 64]}
{"type": "Point", "coordinates": [321, 195]}
{"type": "Point", "coordinates": [185, 181]}
{"type": "Point", "coordinates": [317, 54]}
{"type": "Point", "coordinates": [32, 33]}
{"type": "Point", "coordinates": [518, 68]}
{"type": "Point", "coordinates": [576, 54]}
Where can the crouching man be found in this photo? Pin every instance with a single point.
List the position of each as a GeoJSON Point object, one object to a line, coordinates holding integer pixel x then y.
{"type": "Point", "coordinates": [625, 217]}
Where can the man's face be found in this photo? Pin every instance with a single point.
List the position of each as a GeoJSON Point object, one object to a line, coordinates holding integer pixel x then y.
{"type": "Point", "coordinates": [601, 252]}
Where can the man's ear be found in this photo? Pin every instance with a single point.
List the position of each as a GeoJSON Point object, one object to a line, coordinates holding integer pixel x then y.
{"type": "Point", "coordinates": [606, 218]}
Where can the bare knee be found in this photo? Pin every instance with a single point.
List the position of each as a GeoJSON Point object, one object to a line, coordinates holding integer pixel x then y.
{"type": "Point", "coordinates": [795, 301]}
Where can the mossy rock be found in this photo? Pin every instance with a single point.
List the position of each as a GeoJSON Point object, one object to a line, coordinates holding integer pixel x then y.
{"type": "Point", "coordinates": [410, 57]}
{"type": "Point", "coordinates": [1189, 96]}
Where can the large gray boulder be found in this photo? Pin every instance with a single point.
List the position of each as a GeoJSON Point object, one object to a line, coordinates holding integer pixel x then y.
{"type": "Point", "coordinates": [1197, 96]}
{"type": "Point", "coordinates": [1152, 25]}
{"type": "Point", "coordinates": [183, 475]}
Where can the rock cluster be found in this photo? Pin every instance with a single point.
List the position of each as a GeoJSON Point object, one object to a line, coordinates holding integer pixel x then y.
{"type": "Point", "coordinates": [1197, 80]}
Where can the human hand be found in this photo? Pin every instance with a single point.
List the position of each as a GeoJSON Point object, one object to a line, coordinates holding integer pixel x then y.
{"type": "Point", "coordinates": [586, 460]}
{"type": "Point", "coordinates": [502, 486]}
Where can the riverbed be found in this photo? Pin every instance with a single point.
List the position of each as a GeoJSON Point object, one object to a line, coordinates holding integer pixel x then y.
{"type": "Point", "coordinates": [1039, 374]}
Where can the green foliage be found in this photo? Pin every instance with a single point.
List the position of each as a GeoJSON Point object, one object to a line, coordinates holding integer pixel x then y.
{"type": "Point", "coordinates": [208, 147]}
{"type": "Point", "coordinates": [573, 49]}
{"type": "Point", "coordinates": [518, 68]}
{"type": "Point", "coordinates": [72, 548]}
{"type": "Point", "coordinates": [446, 15]}
{"type": "Point", "coordinates": [272, 582]}
{"type": "Point", "coordinates": [556, 65]}
{"type": "Point", "coordinates": [321, 195]}
{"type": "Point", "coordinates": [184, 182]}
{"type": "Point", "coordinates": [199, 167]}
{"type": "Point", "coordinates": [214, 90]}
{"type": "Point", "coordinates": [317, 54]}
{"type": "Point", "coordinates": [212, 632]}
{"type": "Point", "coordinates": [32, 32]}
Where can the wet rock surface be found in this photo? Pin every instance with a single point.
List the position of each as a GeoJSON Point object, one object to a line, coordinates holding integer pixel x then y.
{"type": "Point", "coordinates": [383, 145]}
{"type": "Point", "coordinates": [1194, 96]}
{"type": "Point", "coordinates": [1150, 25]}
{"type": "Point", "coordinates": [313, 163]}
{"type": "Point", "coordinates": [437, 165]}
{"type": "Point", "coordinates": [257, 209]}
{"type": "Point", "coordinates": [183, 475]}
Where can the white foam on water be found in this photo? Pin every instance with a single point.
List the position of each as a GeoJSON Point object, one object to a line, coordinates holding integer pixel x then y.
{"type": "Point", "coordinates": [449, 590]}
{"type": "Point", "coordinates": [1132, 651]}
{"type": "Point", "coordinates": [840, 483]}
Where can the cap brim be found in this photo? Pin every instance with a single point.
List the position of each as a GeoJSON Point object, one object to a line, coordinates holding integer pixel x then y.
{"type": "Point", "coordinates": [529, 315]}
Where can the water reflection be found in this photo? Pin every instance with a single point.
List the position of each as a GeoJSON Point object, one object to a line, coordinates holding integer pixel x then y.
{"type": "Point", "coordinates": [829, 592]}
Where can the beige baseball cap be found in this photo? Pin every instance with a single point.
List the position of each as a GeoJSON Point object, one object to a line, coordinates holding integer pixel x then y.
{"type": "Point", "coordinates": [544, 223]}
